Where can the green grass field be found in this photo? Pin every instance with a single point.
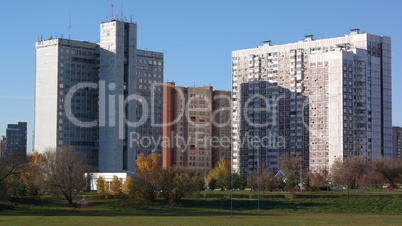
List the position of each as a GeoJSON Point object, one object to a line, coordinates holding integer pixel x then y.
{"type": "Point", "coordinates": [204, 211]}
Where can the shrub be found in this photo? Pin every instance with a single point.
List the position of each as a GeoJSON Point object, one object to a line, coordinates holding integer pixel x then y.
{"type": "Point", "coordinates": [214, 196]}
{"type": "Point", "coordinates": [255, 196]}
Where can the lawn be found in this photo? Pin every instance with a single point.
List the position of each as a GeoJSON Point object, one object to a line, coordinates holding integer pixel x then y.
{"type": "Point", "coordinates": [203, 211]}
{"type": "Point", "coordinates": [274, 219]}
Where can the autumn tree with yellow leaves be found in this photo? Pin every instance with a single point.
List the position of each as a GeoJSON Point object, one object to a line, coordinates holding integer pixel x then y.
{"type": "Point", "coordinates": [220, 173]}
{"type": "Point", "coordinates": [147, 176]}
{"type": "Point", "coordinates": [101, 186]}
{"type": "Point", "coordinates": [128, 187]}
{"type": "Point", "coordinates": [115, 186]}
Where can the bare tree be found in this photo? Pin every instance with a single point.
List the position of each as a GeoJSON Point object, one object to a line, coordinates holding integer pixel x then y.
{"type": "Point", "coordinates": [349, 171]}
{"type": "Point", "coordinates": [258, 179]}
{"type": "Point", "coordinates": [319, 178]}
{"type": "Point", "coordinates": [62, 172]}
{"type": "Point", "coordinates": [290, 166]}
{"type": "Point", "coordinates": [9, 168]}
{"type": "Point", "coordinates": [389, 169]}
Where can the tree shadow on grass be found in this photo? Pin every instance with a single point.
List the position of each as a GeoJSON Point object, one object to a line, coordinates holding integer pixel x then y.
{"type": "Point", "coordinates": [120, 207]}
{"type": "Point", "coordinates": [249, 205]}
{"type": "Point", "coordinates": [4, 207]}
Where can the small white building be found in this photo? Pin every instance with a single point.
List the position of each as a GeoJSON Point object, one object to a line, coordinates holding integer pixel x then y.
{"type": "Point", "coordinates": [108, 177]}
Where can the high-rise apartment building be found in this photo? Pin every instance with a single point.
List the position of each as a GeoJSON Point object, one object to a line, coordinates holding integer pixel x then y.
{"type": "Point", "coordinates": [128, 74]}
{"type": "Point", "coordinates": [221, 130]}
{"type": "Point", "coordinates": [196, 127]}
{"type": "Point", "coordinates": [98, 97]}
{"type": "Point", "coordinates": [396, 142]}
{"type": "Point", "coordinates": [62, 64]}
{"type": "Point", "coordinates": [319, 99]}
{"type": "Point", "coordinates": [14, 145]}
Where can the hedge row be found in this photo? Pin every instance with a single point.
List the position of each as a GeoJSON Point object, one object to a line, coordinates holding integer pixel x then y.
{"type": "Point", "coordinates": [242, 196]}
{"type": "Point", "coordinates": [214, 195]}
{"type": "Point", "coordinates": [269, 196]}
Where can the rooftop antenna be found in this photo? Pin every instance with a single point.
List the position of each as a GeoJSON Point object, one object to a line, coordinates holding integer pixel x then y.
{"type": "Point", "coordinates": [69, 27]}
{"type": "Point", "coordinates": [122, 6]}
{"type": "Point", "coordinates": [267, 41]}
{"type": "Point", "coordinates": [309, 37]}
{"type": "Point", "coordinates": [354, 30]}
{"type": "Point", "coordinates": [111, 12]}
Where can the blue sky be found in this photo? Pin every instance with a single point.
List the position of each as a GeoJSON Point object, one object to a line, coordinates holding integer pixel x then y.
{"type": "Point", "coordinates": [197, 37]}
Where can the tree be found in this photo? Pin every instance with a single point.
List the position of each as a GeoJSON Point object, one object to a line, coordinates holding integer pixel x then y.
{"type": "Point", "coordinates": [389, 169]}
{"type": "Point", "coordinates": [257, 180]}
{"type": "Point", "coordinates": [62, 172]}
{"type": "Point", "coordinates": [8, 169]}
{"type": "Point", "coordinates": [237, 182]}
{"type": "Point", "coordinates": [128, 187]}
{"type": "Point", "coordinates": [177, 183]}
{"type": "Point", "coordinates": [290, 166]}
{"type": "Point", "coordinates": [31, 173]}
{"type": "Point", "coordinates": [221, 173]}
{"type": "Point", "coordinates": [252, 181]}
{"type": "Point", "coordinates": [101, 186]}
{"type": "Point", "coordinates": [273, 182]}
{"type": "Point", "coordinates": [212, 183]}
{"type": "Point", "coordinates": [319, 178]}
{"type": "Point", "coordinates": [349, 171]}
{"type": "Point", "coordinates": [115, 186]}
{"type": "Point", "coordinates": [147, 177]}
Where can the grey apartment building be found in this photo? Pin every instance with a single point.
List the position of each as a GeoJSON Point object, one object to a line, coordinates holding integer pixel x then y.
{"type": "Point", "coordinates": [396, 142]}
{"type": "Point", "coordinates": [318, 99]}
{"type": "Point", "coordinates": [2, 145]}
{"type": "Point", "coordinates": [95, 97]}
{"type": "Point", "coordinates": [13, 147]}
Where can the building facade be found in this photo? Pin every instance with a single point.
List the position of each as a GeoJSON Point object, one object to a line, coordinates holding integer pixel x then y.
{"type": "Point", "coordinates": [221, 130]}
{"type": "Point", "coordinates": [319, 99]}
{"type": "Point", "coordinates": [131, 77]}
{"type": "Point", "coordinates": [90, 96]}
{"type": "Point", "coordinates": [14, 145]}
{"type": "Point", "coordinates": [61, 65]}
{"type": "Point", "coordinates": [196, 127]}
{"type": "Point", "coordinates": [396, 142]}
{"type": "Point", "coordinates": [2, 146]}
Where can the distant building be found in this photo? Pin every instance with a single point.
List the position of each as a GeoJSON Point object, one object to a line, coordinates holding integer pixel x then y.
{"type": "Point", "coordinates": [396, 142]}
{"type": "Point", "coordinates": [108, 177]}
{"type": "Point", "coordinates": [16, 142]}
{"type": "Point", "coordinates": [197, 126]}
{"type": "Point", "coordinates": [2, 146]}
{"type": "Point", "coordinates": [111, 87]}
